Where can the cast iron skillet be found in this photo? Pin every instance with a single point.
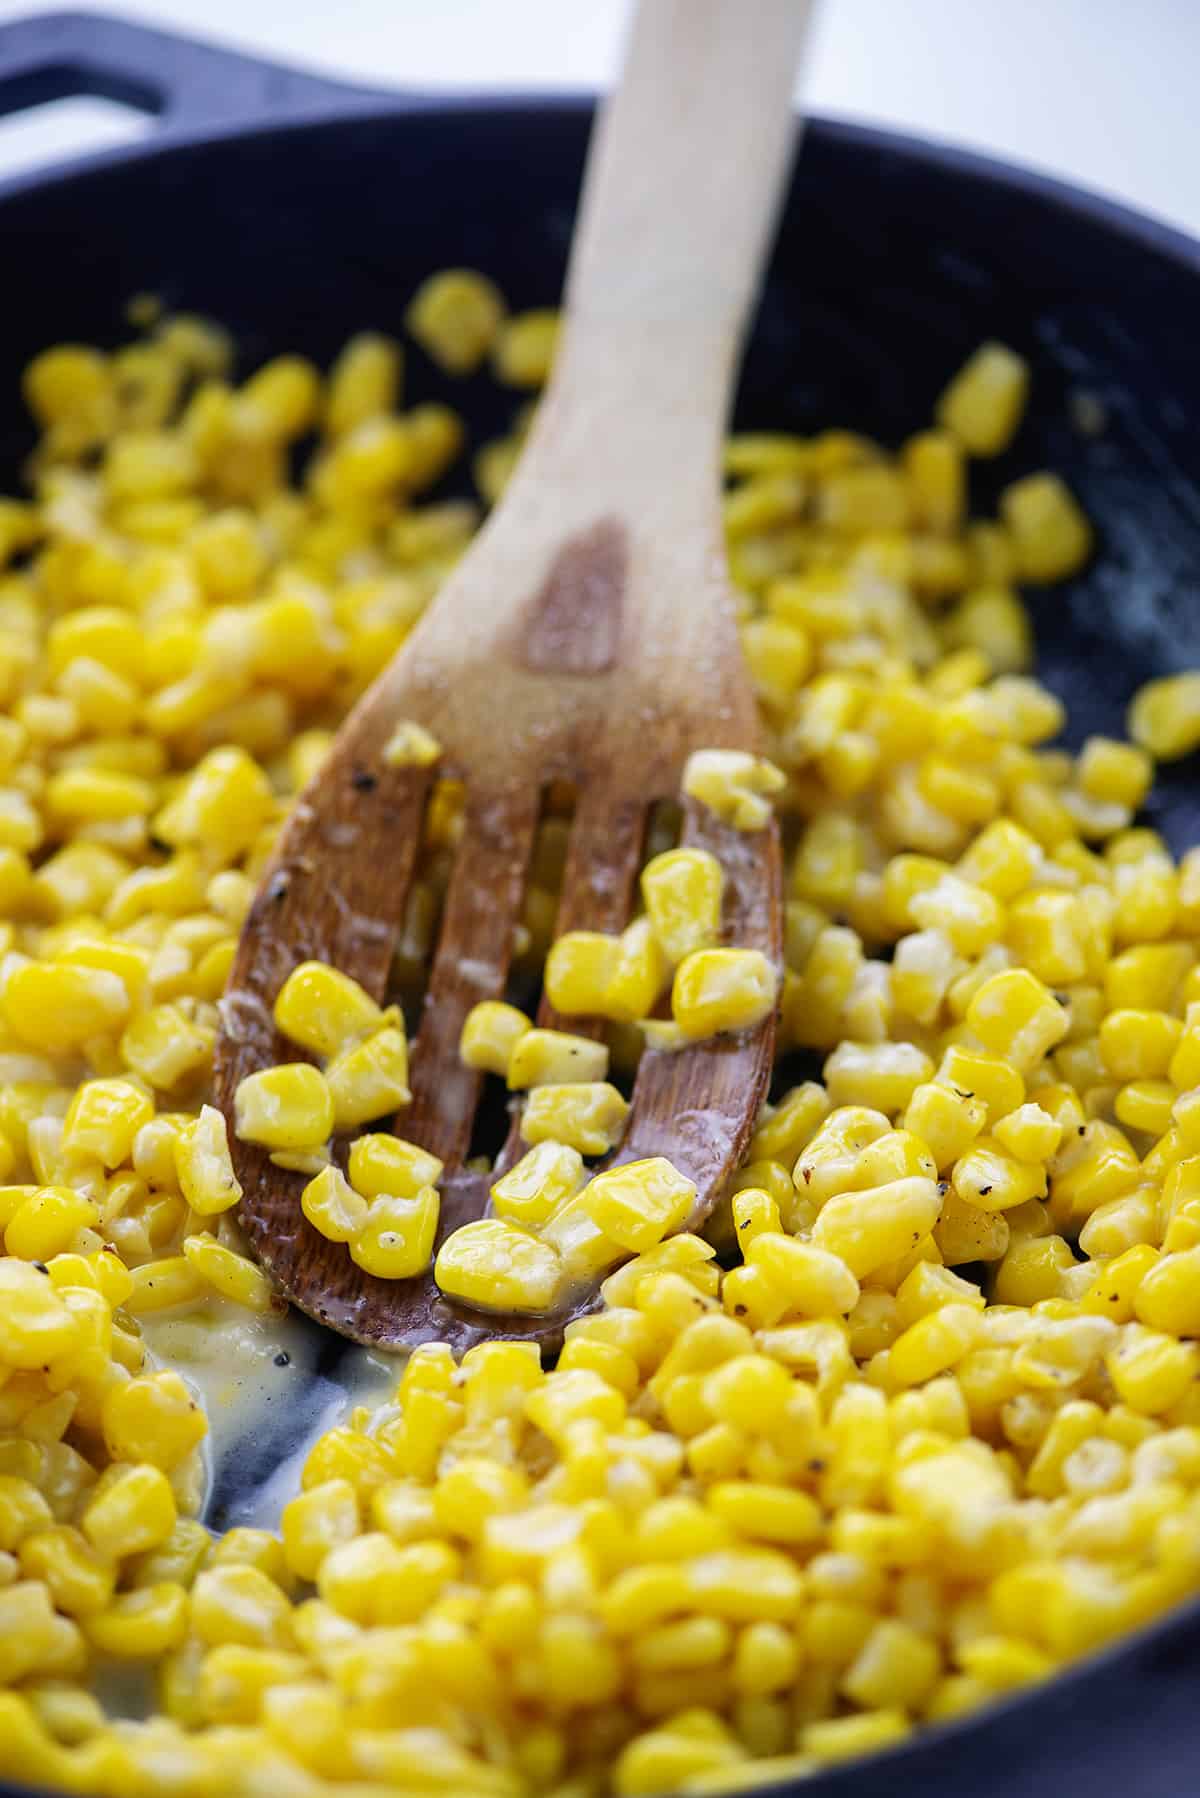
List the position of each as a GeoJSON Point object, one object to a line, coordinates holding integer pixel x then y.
{"type": "Point", "coordinates": [297, 211]}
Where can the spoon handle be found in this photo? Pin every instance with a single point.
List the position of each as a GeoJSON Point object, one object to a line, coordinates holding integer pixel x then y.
{"type": "Point", "coordinates": [685, 176]}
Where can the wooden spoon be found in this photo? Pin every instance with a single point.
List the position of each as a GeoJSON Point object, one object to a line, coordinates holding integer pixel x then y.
{"type": "Point", "coordinates": [587, 636]}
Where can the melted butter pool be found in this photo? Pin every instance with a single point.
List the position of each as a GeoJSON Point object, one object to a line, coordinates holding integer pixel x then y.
{"type": "Point", "coordinates": [270, 1386]}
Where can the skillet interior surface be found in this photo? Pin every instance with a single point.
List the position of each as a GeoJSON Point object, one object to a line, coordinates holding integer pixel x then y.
{"type": "Point", "coordinates": [892, 263]}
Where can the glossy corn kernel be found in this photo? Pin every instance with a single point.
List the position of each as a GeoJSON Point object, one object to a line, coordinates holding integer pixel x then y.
{"type": "Point", "coordinates": [333, 1207]}
{"type": "Point", "coordinates": [203, 1165]}
{"type": "Point", "coordinates": [496, 1266]}
{"type": "Point", "coordinates": [538, 1184]}
{"type": "Point", "coordinates": [455, 316]}
{"type": "Point", "coordinates": [322, 1010]}
{"type": "Point", "coordinates": [555, 1058]}
{"type": "Point", "coordinates": [1014, 1016]}
{"type": "Point", "coordinates": [490, 1034]}
{"type": "Point", "coordinates": [394, 1240]}
{"type": "Point", "coordinates": [638, 1203]}
{"type": "Point", "coordinates": [133, 1511]}
{"type": "Point", "coordinates": [524, 347]}
{"type": "Point", "coordinates": [1164, 716]}
{"type": "Point", "coordinates": [733, 784]}
{"type": "Point", "coordinates": [411, 746]}
{"type": "Point", "coordinates": [588, 1117]}
{"type": "Point", "coordinates": [1051, 537]}
{"type": "Point", "coordinates": [984, 403]}
{"type": "Point", "coordinates": [286, 1107]}
{"type": "Point", "coordinates": [716, 990]}
{"type": "Point", "coordinates": [682, 890]}
{"type": "Point", "coordinates": [235, 1278]}
{"type": "Point", "coordinates": [370, 1079]}
{"type": "Point", "coordinates": [872, 1228]}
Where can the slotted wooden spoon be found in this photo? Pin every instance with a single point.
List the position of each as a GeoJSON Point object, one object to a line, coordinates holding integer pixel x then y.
{"type": "Point", "coordinates": [587, 636]}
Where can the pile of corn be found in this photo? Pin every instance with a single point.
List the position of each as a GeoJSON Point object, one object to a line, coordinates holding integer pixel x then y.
{"type": "Point", "coordinates": [937, 1428]}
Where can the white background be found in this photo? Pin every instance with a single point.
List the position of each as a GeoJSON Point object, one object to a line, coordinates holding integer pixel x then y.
{"type": "Point", "coordinates": [1104, 92]}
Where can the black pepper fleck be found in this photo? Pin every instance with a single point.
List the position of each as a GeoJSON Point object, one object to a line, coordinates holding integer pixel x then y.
{"type": "Point", "coordinates": [283, 1359]}
{"type": "Point", "coordinates": [363, 781]}
{"type": "Point", "coordinates": [984, 1191]}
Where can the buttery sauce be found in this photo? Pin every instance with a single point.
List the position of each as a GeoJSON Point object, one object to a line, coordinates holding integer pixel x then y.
{"type": "Point", "coordinates": [270, 1387]}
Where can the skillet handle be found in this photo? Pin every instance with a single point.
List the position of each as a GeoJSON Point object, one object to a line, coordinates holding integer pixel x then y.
{"type": "Point", "coordinates": [184, 83]}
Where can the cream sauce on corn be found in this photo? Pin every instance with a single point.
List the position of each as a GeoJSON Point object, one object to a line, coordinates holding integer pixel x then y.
{"type": "Point", "coordinates": [271, 1386]}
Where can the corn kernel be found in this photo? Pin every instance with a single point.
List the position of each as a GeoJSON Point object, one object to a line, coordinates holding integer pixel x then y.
{"type": "Point", "coordinates": [984, 402]}
{"type": "Point", "coordinates": [492, 1031]}
{"type": "Point", "coordinates": [588, 1116]}
{"type": "Point", "coordinates": [323, 1010]}
{"type": "Point", "coordinates": [498, 1267]}
{"type": "Point", "coordinates": [395, 1239]}
{"type": "Point", "coordinates": [286, 1107]}
{"type": "Point", "coordinates": [369, 1079]}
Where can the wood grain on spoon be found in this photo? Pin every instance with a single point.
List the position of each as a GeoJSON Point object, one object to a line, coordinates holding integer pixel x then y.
{"type": "Point", "coordinates": [588, 636]}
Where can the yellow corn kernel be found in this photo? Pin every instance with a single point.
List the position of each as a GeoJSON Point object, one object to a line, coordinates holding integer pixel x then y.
{"type": "Point", "coordinates": [1028, 1133]}
{"type": "Point", "coordinates": [882, 1076]}
{"type": "Point", "coordinates": [131, 1512]}
{"type": "Point", "coordinates": [230, 1274]}
{"type": "Point", "coordinates": [369, 1079]}
{"type": "Point", "coordinates": [983, 404]}
{"type": "Point", "coordinates": [285, 1107]}
{"type": "Point", "coordinates": [638, 1203]}
{"type": "Point", "coordinates": [56, 1007]}
{"type": "Point", "coordinates": [1164, 716]}
{"type": "Point", "coordinates": [588, 1116]}
{"type": "Point", "coordinates": [166, 1047]}
{"type": "Point", "coordinates": [411, 746]}
{"type": "Point", "coordinates": [333, 1207]}
{"type": "Point", "coordinates": [1151, 1371]}
{"type": "Point", "coordinates": [498, 1267]}
{"type": "Point", "coordinates": [237, 1603]}
{"type": "Point", "coordinates": [640, 971]}
{"type": "Point", "coordinates": [722, 989]}
{"type": "Point", "coordinates": [946, 1121]}
{"type": "Point", "coordinates": [1139, 1045]}
{"type": "Point", "coordinates": [161, 1285]}
{"type": "Point", "coordinates": [387, 1164]}
{"type": "Point", "coordinates": [993, 621]}
{"type": "Point", "coordinates": [524, 346]}
{"type": "Point", "coordinates": [317, 1521]}
{"type": "Point", "coordinates": [871, 1228]}
{"type": "Point", "coordinates": [1168, 1296]}
{"type": "Point", "coordinates": [933, 1344]}
{"type": "Point", "coordinates": [1113, 1291]}
{"type": "Point", "coordinates": [682, 889]}
{"type": "Point", "coordinates": [395, 1239]}
{"type": "Point", "coordinates": [996, 1181]}
{"type": "Point", "coordinates": [48, 1222]}
{"type": "Point", "coordinates": [223, 804]}
{"type": "Point", "coordinates": [1051, 537]}
{"type": "Point", "coordinates": [538, 1184]}
{"type": "Point", "coordinates": [153, 1418]}
{"type": "Point", "coordinates": [363, 382]}
{"type": "Point", "coordinates": [810, 1281]}
{"type": "Point", "coordinates": [492, 1031]}
{"type": "Point", "coordinates": [79, 1580]}
{"type": "Point", "coordinates": [323, 1010]}
{"type": "Point", "coordinates": [203, 1165]}
{"type": "Point", "coordinates": [140, 1625]}
{"type": "Point", "coordinates": [555, 1058]}
{"type": "Point", "coordinates": [734, 785]}
{"type": "Point", "coordinates": [1014, 1016]}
